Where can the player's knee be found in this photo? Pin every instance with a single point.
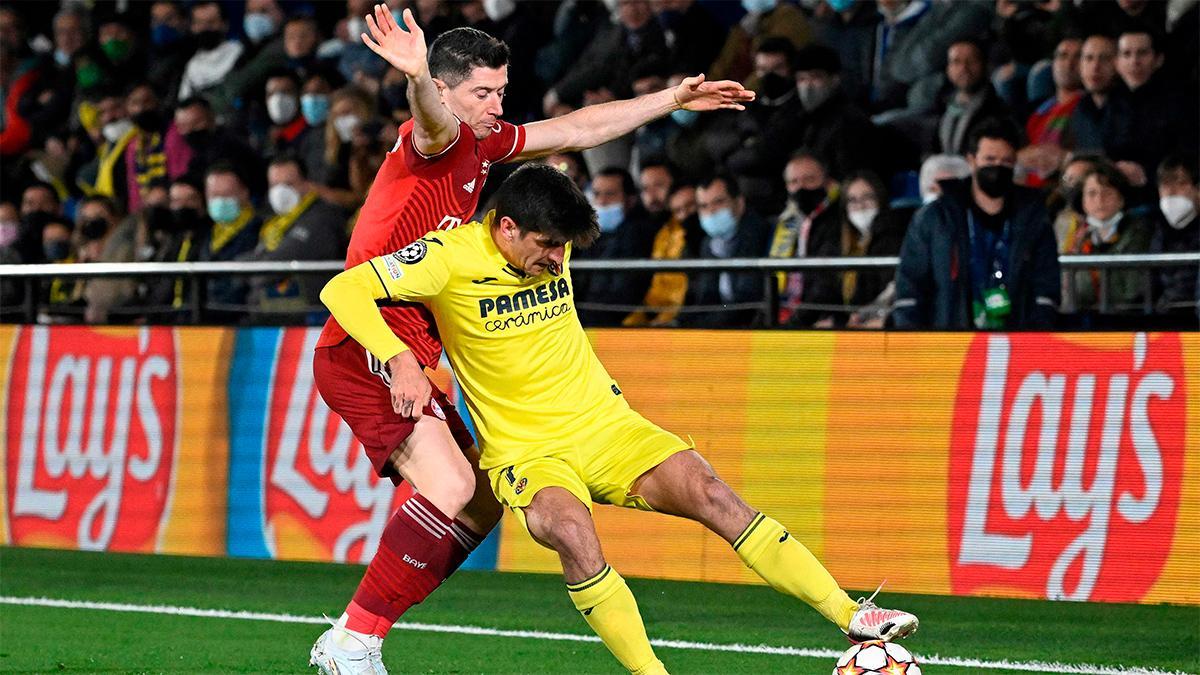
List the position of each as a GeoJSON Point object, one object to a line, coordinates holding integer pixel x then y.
{"type": "Point", "coordinates": [713, 495]}
{"type": "Point", "coordinates": [452, 492]}
{"type": "Point", "coordinates": [569, 533]}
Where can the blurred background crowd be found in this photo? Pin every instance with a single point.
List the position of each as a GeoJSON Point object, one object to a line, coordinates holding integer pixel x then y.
{"type": "Point", "coordinates": [230, 131]}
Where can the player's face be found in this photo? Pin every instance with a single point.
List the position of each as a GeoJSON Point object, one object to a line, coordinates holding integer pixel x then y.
{"type": "Point", "coordinates": [531, 252]}
{"type": "Point", "coordinates": [478, 100]}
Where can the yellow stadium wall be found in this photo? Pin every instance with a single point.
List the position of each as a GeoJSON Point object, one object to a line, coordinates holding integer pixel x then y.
{"type": "Point", "coordinates": [864, 444]}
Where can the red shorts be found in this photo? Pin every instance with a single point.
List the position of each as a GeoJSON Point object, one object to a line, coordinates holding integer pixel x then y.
{"type": "Point", "coordinates": [354, 385]}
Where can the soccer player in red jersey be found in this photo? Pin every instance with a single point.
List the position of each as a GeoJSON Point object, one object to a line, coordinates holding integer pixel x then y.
{"type": "Point", "coordinates": [431, 180]}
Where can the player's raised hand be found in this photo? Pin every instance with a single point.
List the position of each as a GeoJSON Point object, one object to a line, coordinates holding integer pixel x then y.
{"type": "Point", "coordinates": [410, 387]}
{"type": "Point", "coordinates": [696, 94]}
{"type": "Point", "coordinates": [403, 49]}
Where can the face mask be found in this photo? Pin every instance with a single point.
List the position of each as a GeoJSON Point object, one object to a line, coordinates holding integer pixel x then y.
{"type": "Point", "coordinates": [88, 75]}
{"type": "Point", "coordinates": [148, 120]}
{"type": "Point", "coordinates": [258, 26]}
{"type": "Point", "coordinates": [759, 6]}
{"type": "Point", "coordinates": [862, 219]}
{"type": "Point", "coordinates": [773, 86]}
{"type": "Point", "coordinates": [610, 217]}
{"type": "Point", "coordinates": [499, 10]}
{"type": "Point", "coordinates": [158, 219]}
{"type": "Point", "coordinates": [198, 139]}
{"type": "Point", "coordinates": [209, 39]}
{"type": "Point", "coordinates": [1103, 230]}
{"type": "Point", "coordinates": [116, 50]}
{"type": "Point", "coordinates": [62, 58]}
{"type": "Point", "coordinates": [186, 219]}
{"type": "Point", "coordinates": [9, 231]}
{"type": "Point", "coordinates": [840, 5]}
{"type": "Point", "coordinates": [345, 125]}
{"type": "Point", "coordinates": [1178, 210]}
{"type": "Point", "coordinates": [223, 209]}
{"type": "Point", "coordinates": [56, 250]}
{"type": "Point", "coordinates": [809, 199]}
{"type": "Point", "coordinates": [813, 95]}
{"type": "Point", "coordinates": [684, 118]}
{"type": "Point", "coordinates": [94, 229]}
{"type": "Point", "coordinates": [282, 108]}
{"type": "Point", "coordinates": [114, 131]}
{"type": "Point", "coordinates": [163, 35]}
{"type": "Point", "coordinates": [315, 108]}
{"type": "Point", "coordinates": [929, 197]}
{"type": "Point", "coordinates": [995, 180]}
{"type": "Point", "coordinates": [283, 198]}
{"type": "Point", "coordinates": [719, 225]}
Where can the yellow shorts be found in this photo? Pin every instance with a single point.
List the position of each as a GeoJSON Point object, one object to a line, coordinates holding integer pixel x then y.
{"type": "Point", "coordinates": [600, 463]}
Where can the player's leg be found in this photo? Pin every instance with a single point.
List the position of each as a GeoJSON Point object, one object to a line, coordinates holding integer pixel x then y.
{"type": "Point", "coordinates": [686, 485]}
{"type": "Point", "coordinates": [547, 496]}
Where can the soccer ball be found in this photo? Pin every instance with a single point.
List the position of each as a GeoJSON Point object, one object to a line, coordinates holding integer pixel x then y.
{"type": "Point", "coordinates": [883, 658]}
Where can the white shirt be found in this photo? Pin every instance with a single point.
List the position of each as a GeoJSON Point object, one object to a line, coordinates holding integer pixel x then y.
{"type": "Point", "coordinates": [207, 68]}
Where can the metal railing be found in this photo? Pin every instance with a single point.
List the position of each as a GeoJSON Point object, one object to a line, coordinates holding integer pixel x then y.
{"type": "Point", "coordinates": [31, 276]}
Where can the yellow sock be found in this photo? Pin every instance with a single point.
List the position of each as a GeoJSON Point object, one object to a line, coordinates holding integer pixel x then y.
{"type": "Point", "coordinates": [784, 563]}
{"type": "Point", "coordinates": [609, 608]}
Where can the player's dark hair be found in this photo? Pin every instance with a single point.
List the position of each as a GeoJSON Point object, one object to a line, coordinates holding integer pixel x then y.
{"type": "Point", "coordinates": [540, 198]}
{"type": "Point", "coordinates": [457, 52]}
{"type": "Point", "coordinates": [997, 129]}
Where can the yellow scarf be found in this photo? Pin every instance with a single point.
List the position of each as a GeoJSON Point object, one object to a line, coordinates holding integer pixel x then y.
{"type": "Point", "coordinates": [223, 232]}
{"type": "Point", "coordinates": [274, 229]}
{"type": "Point", "coordinates": [109, 156]}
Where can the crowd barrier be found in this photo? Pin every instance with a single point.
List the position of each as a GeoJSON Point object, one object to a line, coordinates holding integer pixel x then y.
{"type": "Point", "coordinates": [1063, 466]}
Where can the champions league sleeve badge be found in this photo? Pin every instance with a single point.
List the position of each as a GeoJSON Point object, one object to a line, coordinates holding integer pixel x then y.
{"type": "Point", "coordinates": [413, 253]}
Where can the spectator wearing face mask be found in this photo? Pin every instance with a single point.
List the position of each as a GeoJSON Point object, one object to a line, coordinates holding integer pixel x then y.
{"type": "Point", "coordinates": [157, 153]}
{"type": "Point", "coordinates": [103, 236]}
{"type": "Point", "coordinates": [849, 27]}
{"type": "Point", "coordinates": [177, 234]}
{"type": "Point", "coordinates": [679, 237]}
{"type": "Point", "coordinates": [209, 144]}
{"type": "Point", "coordinates": [982, 256]}
{"type": "Point", "coordinates": [302, 227]}
{"type": "Point", "coordinates": [169, 48]}
{"type": "Point", "coordinates": [808, 224]}
{"type": "Point", "coordinates": [822, 120]}
{"type": "Point", "coordinates": [1178, 231]}
{"type": "Point", "coordinates": [216, 54]}
{"type": "Point", "coordinates": [11, 291]}
{"type": "Point", "coordinates": [295, 50]}
{"type": "Point", "coordinates": [288, 128]}
{"type": "Point", "coordinates": [235, 231]}
{"type": "Point", "coordinates": [731, 230]}
{"type": "Point", "coordinates": [61, 297]}
{"type": "Point", "coordinates": [113, 131]}
{"type": "Point", "coordinates": [350, 109]}
{"type": "Point", "coordinates": [625, 232]}
{"type": "Point", "coordinates": [869, 228]}
{"type": "Point", "coordinates": [54, 83]}
{"type": "Point", "coordinates": [1111, 228]}
{"type": "Point", "coordinates": [1061, 203]}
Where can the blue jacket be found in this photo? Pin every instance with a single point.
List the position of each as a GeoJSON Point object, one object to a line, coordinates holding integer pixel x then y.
{"type": "Point", "coordinates": [933, 284]}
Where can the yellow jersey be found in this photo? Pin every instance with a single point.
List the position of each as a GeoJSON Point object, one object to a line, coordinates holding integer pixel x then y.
{"type": "Point", "coordinates": [525, 366]}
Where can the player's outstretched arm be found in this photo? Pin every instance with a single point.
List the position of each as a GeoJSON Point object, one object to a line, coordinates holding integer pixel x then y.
{"type": "Point", "coordinates": [434, 126]}
{"type": "Point", "coordinates": [599, 124]}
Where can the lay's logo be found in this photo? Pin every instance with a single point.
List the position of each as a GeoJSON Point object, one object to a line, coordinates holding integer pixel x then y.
{"type": "Point", "coordinates": [92, 437]}
{"type": "Point", "coordinates": [301, 485]}
{"type": "Point", "coordinates": [1066, 465]}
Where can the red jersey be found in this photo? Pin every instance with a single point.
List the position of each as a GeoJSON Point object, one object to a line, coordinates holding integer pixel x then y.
{"type": "Point", "coordinates": [413, 195]}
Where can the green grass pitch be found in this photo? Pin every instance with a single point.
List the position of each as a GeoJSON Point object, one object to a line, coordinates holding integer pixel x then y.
{"type": "Point", "coordinates": [66, 639]}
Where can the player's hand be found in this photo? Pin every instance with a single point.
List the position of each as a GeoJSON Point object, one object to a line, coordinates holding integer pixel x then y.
{"type": "Point", "coordinates": [410, 387]}
{"type": "Point", "coordinates": [696, 94]}
{"type": "Point", "coordinates": [403, 49]}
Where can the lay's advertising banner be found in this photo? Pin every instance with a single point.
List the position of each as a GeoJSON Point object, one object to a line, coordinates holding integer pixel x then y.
{"type": "Point", "coordinates": [1057, 466]}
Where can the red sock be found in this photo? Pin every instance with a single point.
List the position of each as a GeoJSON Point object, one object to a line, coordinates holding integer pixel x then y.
{"type": "Point", "coordinates": [419, 549]}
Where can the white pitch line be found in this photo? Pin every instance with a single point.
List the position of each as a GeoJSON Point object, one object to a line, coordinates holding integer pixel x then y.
{"type": "Point", "coordinates": [934, 659]}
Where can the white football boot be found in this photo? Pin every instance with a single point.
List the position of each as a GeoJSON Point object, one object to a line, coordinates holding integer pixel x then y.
{"type": "Point", "coordinates": [342, 652]}
{"type": "Point", "coordinates": [871, 622]}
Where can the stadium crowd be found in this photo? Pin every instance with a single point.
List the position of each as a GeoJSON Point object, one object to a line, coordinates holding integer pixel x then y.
{"type": "Point", "coordinates": [977, 140]}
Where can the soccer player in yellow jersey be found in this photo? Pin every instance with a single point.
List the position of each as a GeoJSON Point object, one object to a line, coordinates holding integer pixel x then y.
{"type": "Point", "coordinates": [554, 430]}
